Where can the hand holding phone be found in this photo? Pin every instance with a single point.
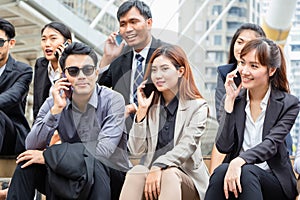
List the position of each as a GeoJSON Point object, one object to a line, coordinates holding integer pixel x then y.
{"type": "Point", "coordinates": [65, 44]}
{"type": "Point", "coordinates": [70, 91]}
{"type": "Point", "coordinates": [118, 39]}
{"type": "Point", "coordinates": [148, 89]}
{"type": "Point", "coordinates": [237, 80]}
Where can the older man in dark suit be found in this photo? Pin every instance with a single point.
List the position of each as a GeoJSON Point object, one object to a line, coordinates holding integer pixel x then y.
{"type": "Point", "coordinates": [120, 63]}
{"type": "Point", "coordinates": [15, 78]}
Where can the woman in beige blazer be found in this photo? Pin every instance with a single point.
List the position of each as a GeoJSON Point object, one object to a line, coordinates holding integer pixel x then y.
{"type": "Point", "coordinates": [167, 131]}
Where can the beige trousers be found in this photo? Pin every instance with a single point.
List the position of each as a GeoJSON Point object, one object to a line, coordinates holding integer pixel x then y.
{"type": "Point", "coordinates": [175, 185]}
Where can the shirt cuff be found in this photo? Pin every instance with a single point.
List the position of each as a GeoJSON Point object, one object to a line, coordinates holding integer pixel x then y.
{"type": "Point", "coordinates": [51, 120]}
{"type": "Point", "coordinates": [103, 69]}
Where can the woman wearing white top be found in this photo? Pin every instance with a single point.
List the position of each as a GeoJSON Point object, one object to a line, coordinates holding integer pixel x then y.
{"type": "Point", "coordinates": [257, 117]}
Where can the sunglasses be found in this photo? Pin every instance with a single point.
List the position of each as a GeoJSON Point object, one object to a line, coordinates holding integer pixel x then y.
{"type": "Point", "coordinates": [2, 41]}
{"type": "Point", "coordinates": [86, 69]}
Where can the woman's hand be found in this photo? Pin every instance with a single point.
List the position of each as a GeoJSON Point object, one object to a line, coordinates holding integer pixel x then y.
{"type": "Point", "coordinates": [143, 102]}
{"type": "Point", "coordinates": [152, 185]}
{"type": "Point", "coordinates": [231, 91]}
{"type": "Point", "coordinates": [32, 157]}
{"type": "Point", "coordinates": [232, 177]}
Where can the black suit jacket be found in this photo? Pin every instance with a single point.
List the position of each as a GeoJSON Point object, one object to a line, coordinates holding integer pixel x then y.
{"type": "Point", "coordinates": [281, 114]}
{"type": "Point", "coordinates": [118, 76]}
{"type": "Point", "coordinates": [14, 87]}
{"type": "Point", "coordinates": [41, 84]}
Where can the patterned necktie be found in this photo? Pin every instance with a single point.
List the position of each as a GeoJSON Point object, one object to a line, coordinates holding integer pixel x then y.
{"type": "Point", "coordinates": [138, 76]}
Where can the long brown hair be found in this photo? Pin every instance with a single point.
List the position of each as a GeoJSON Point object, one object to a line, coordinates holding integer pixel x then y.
{"type": "Point", "coordinates": [187, 87]}
{"type": "Point", "coordinates": [270, 54]}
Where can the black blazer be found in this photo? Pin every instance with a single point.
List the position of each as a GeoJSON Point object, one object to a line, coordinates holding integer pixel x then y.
{"type": "Point", "coordinates": [14, 87]}
{"type": "Point", "coordinates": [118, 76]}
{"type": "Point", "coordinates": [281, 114]}
{"type": "Point", "coordinates": [41, 84]}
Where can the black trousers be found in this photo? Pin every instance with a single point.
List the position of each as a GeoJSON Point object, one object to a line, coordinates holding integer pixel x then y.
{"type": "Point", "coordinates": [256, 184]}
{"type": "Point", "coordinates": [107, 183]}
{"type": "Point", "coordinates": [8, 134]}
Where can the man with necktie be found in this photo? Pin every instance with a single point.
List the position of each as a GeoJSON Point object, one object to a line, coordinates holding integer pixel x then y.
{"type": "Point", "coordinates": [122, 66]}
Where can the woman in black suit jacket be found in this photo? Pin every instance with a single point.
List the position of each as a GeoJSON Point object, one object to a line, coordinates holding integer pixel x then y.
{"type": "Point", "coordinates": [46, 69]}
{"type": "Point", "coordinates": [255, 121]}
{"type": "Point", "coordinates": [242, 35]}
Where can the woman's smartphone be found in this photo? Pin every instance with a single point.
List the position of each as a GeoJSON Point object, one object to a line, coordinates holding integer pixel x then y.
{"type": "Point", "coordinates": [148, 89]}
{"type": "Point", "coordinates": [237, 81]}
{"type": "Point", "coordinates": [56, 54]}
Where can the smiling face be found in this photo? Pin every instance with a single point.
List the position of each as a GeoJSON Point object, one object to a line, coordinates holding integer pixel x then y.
{"type": "Point", "coordinates": [165, 76]}
{"type": "Point", "coordinates": [82, 84]}
{"type": "Point", "coordinates": [244, 37]}
{"type": "Point", "coordinates": [135, 29]}
{"type": "Point", "coordinates": [254, 75]}
{"type": "Point", "coordinates": [50, 40]}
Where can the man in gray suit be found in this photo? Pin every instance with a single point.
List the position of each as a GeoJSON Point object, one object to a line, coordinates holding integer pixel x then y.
{"type": "Point", "coordinates": [118, 64]}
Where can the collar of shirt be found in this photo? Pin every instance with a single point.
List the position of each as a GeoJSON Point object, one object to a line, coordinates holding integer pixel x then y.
{"type": "Point", "coordinates": [172, 106]}
{"type": "Point", "coordinates": [53, 75]}
{"type": "Point", "coordinates": [93, 101]}
{"type": "Point", "coordinates": [2, 69]}
{"type": "Point", "coordinates": [264, 102]}
{"type": "Point", "coordinates": [143, 53]}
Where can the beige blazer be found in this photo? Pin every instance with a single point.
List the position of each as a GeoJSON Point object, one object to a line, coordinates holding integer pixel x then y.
{"type": "Point", "coordinates": [189, 128]}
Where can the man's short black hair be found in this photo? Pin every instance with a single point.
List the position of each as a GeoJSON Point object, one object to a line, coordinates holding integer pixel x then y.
{"type": "Point", "coordinates": [77, 48]}
{"type": "Point", "coordinates": [8, 28]}
{"type": "Point", "coordinates": [140, 5]}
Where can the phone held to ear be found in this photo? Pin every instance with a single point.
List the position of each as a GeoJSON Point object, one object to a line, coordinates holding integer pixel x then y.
{"type": "Point", "coordinates": [56, 54]}
{"type": "Point", "coordinates": [148, 89]}
{"type": "Point", "coordinates": [70, 91]}
{"type": "Point", "coordinates": [237, 81]}
{"type": "Point", "coordinates": [118, 39]}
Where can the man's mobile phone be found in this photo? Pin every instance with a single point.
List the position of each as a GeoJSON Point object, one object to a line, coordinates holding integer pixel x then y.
{"type": "Point", "coordinates": [148, 89]}
{"type": "Point", "coordinates": [70, 91]}
{"type": "Point", "coordinates": [118, 39]}
{"type": "Point", "coordinates": [65, 45]}
{"type": "Point", "coordinates": [237, 80]}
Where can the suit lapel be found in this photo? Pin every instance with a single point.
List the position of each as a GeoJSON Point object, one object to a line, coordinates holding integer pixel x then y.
{"type": "Point", "coordinates": [180, 120]}
{"type": "Point", "coordinates": [240, 117]}
{"type": "Point", "coordinates": [126, 68]}
{"type": "Point", "coordinates": [273, 111]}
{"type": "Point", "coordinates": [153, 118]}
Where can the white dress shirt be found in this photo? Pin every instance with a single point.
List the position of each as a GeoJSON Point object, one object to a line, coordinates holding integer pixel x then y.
{"type": "Point", "coordinates": [53, 76]}
{"type": "Point", "coordinates": [2, 69]}
{"type": "Point", "coordinates": [143, 53]}
{"type": "Point", "coordinates": [254, 130]}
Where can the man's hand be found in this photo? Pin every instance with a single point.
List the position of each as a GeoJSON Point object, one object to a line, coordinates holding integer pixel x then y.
{"type": "Point", "coordinates": [32, 157]}
{"type": "Point", "coordinates": [59, 97]}
{"type": "Point", "coordinates": [152, 186]}
{"type": "Point", "coordinates": [111, 50]}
